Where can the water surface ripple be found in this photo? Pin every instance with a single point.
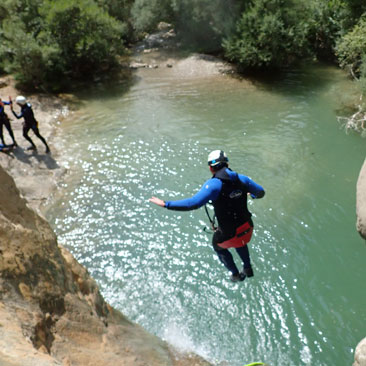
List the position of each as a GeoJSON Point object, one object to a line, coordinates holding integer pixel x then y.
{"type": "Point", "coordinates": [306, 303]}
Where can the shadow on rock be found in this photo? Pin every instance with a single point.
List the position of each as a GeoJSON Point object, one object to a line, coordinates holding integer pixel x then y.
{"type": "Point", "coordinates": [20, 154]}
{"type": "Point", "coordinates": [24, 157]}
{"type": "Point", "coordinates": [47, 159]}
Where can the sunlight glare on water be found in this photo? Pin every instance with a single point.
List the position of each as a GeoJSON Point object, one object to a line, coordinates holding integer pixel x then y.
{"type": "Point", "coordinates": [306, 303]}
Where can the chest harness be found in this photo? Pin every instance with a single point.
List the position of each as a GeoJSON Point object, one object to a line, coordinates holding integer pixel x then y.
{"type": "Point", "coordinates": [231, 211]}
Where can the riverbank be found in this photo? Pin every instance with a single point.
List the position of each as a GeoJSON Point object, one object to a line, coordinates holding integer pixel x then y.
{"type": "Point", "coordinates": [51, 310]}
{"type": "Point", "coordinates": [36, 173]}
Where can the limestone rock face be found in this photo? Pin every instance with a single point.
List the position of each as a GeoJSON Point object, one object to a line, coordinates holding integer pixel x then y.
{"type": "Point", "coordinates": [360, 354]}
{"type": "Point", "coordinates": [51, 310]}
{"type": "Point", "coordinates": [361, 202]}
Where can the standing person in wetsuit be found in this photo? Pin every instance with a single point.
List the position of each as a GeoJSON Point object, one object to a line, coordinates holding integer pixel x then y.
{"type": "Point", "coordinates": [30, 122]}
{"type": "Point", "coordinates": [228, 191]}
{"type": "Point", "coordinates": [4, 121]}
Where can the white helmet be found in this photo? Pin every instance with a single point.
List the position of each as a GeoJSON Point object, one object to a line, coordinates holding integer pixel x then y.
{"type": "Point", "coordinates": [20, 100]}
{"type": "Point", "coordinates": [217, 157]}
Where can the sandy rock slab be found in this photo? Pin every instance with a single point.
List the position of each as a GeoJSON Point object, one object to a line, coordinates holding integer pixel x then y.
{"type": "Point", "coordinates": [35, 172]}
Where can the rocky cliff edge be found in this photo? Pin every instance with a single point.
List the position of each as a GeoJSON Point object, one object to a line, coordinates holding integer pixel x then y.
{"type": "Point", "coordinates": [51, 311]}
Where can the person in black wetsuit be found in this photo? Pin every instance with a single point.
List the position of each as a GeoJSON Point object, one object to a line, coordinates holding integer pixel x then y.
{"type": "Point", "coordinates": [228, 191]}
{"type": "Point", "coordinates": [30, 122]}
{"type": "Point", "coordinates": [4, 121]}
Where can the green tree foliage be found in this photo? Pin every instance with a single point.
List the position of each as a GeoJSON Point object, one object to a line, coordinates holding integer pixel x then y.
{"type": "Point", "coordinates": [269, 34]}
{"type": "Point", "coordinates": [88, 38]}
{"type": "Point", "coordinates": [202, 24]}
{"type": "Point", "coordinates": [34, 65]}
{"type": "Point", "coordinates": [146, 14]}
{"type": "Point", "coordinates": [48, 42]}
{"type": "Point", "coordinates": [362, 79]}
{"type": "Point", "coordinates": [357, 8]}
{"type": "Point", "coordinates": [120, 10]}
{"type": "Point", "coordinates": [24, 17]}
{"type": "Point", "coordinates": [351, 48]}
{"type": "Point", "coordinates": [327, 21]}
{"type": "Point", "coordinates": [26, 11]}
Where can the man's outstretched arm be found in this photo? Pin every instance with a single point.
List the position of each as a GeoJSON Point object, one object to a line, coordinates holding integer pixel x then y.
{"type": "Point", "coordinates": [208, 192]}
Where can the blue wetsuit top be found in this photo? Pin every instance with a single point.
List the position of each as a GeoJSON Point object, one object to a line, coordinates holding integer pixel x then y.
{"type": "Point", "coordinates": [2, 108]}
{"type": "Point", "coordinates": [210, 191]}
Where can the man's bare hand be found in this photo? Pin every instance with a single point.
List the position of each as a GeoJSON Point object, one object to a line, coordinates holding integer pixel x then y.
{"type": "Point", "coordinates": [157, 201]}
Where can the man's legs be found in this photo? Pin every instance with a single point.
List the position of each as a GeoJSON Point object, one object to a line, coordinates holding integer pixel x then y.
{"type": "Point", "coordinates": [227, 259]}
{"type": "Point", "coordinates": [245, 257]}
{"type": "Point", "coordinates": [224, 255]}
{"type": "Point", "coordinates": [10, 130]}
{"type": "Point", "coordinates": [36, 132]}
{"type": "Point", "coordinates": [25, 135]}
{"type": "Point", "coordinates": [1, 132]}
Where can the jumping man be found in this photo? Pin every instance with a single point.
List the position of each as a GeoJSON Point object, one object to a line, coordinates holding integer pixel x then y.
{"type": "Point", "coordinates": [227, 190]}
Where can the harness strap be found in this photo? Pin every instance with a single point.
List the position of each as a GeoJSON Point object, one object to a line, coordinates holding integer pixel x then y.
{"type": "Point", "coordinates": [212, 221]}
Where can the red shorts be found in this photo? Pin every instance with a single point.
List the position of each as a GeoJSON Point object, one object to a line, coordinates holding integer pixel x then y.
{"type": "Point", "coordinates": [242, 237]}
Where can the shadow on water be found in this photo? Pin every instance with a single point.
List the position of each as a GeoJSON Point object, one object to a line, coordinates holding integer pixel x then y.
{"type": "Point", "coordinates": [106, 89]}
{"type": "Point", "coordinates": [308, 78]}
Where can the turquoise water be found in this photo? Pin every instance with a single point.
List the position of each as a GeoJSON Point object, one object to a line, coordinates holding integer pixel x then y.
{"type": "Point", "coordinates": [306, 304]}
